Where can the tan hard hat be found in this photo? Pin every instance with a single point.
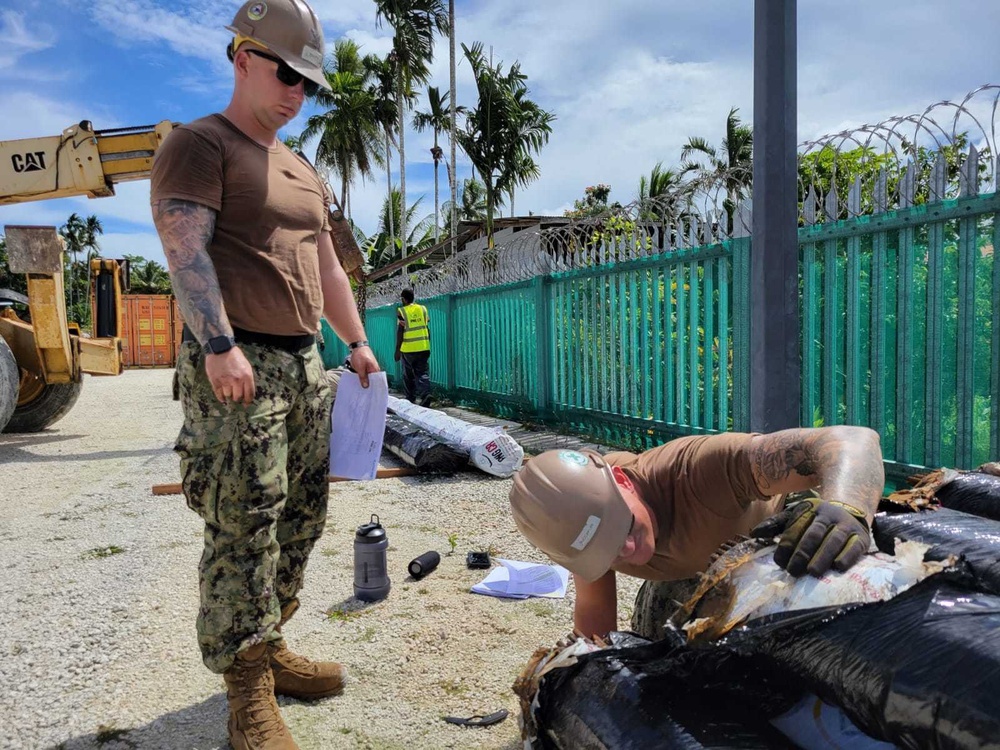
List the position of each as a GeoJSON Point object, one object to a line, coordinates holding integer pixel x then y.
{"type": "Point", "coordinates": [568, 505]}
{"type": "Point", "coordinates": [290, 29]}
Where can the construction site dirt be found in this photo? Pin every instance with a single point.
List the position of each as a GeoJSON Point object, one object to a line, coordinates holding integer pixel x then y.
{"type": "Point", "coordinates": [100, 597]}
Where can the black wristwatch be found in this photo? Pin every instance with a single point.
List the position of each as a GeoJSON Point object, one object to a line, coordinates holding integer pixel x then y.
{"type": "Point", "coordinates": [220, 344]}
{"type": "Point", "coordinates": [357, 344]}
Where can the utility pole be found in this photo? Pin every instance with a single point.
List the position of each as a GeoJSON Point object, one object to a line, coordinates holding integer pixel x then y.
{"type": "Point", "coordinates": [775, 371]}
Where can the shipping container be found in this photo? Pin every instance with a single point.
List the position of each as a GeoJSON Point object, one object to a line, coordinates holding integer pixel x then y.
{"type": "Point", "coordinates": [152, 330]}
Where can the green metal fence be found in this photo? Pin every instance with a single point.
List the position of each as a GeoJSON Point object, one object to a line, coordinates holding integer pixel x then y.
{"type": "Point", "coordinates": [898, 334]}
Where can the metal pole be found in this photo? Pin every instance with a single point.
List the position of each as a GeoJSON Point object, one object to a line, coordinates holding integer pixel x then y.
{"type": "Point", "coordinates": [775, 374]}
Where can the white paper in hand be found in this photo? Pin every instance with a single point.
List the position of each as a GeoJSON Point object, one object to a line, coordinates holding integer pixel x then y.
{"type": "Point", "coordinates": [358, 426]}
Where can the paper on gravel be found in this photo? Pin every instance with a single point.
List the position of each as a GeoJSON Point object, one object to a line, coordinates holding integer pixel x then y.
{"type": "Point", "coordinates": [519, 580]}
{"type": "Point", "coordinates": [358, 426]}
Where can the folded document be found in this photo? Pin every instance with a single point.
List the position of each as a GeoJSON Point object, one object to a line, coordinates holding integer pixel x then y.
{"type": "Point", "coordinates": [521, 580]}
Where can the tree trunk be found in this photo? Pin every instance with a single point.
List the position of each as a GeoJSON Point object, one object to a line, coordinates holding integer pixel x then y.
{"type": "Point", "coordinates": [388, 179]}
{"type": "Point", "coordinates": [437, 222]}
{"type": "Point", "coordinates": [489, 213]}
{"type": "Point", "coordinates": [454, 181]}
{"type": "Point", "coordinates": [402, 170]}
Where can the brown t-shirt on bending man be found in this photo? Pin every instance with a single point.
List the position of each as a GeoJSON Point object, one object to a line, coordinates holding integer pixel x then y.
{"type": "Point", "coordinates": [271, 208]}
{"type": "Point", "coordinates": [703, 493]}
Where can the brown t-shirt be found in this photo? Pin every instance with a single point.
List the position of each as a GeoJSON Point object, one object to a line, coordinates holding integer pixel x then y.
{"type": "Point", "coordinates": [702, 492]}
{"type": "Point", "coordinates": [271, 208]}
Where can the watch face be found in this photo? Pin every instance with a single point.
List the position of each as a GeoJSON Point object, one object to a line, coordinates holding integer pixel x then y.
{"type": "Point", "coordinates": [220, 344]}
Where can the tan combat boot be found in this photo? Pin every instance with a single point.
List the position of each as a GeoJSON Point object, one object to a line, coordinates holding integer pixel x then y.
{"type": "Point", "coordinates": [298, 677]}
{"type": "Point", "coordinates": [255, 722]}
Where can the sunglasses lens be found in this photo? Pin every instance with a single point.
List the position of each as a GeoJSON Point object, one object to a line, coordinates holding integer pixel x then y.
{"type": "Point", "coordinates": [311, 88]}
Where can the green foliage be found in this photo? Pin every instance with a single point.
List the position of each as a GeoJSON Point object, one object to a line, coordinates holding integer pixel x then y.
{"type": "Point", "coordinates": [147, 276]}
{"type": "Point", "coordinates": [594, 202]}
{"type": "Point", "coordinates": [13, 281]}
{"type": "Point", "coordinates": [382, 248]}
{"type": "Point", "coordinates": [350, 128]}
{"type": "Point", "coordinates": [503, 131]}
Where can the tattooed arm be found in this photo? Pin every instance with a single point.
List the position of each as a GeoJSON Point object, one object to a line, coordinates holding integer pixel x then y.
{"type": "Point", "coordinates": [843, 463]}
{"type": "Point", "coordinates": [186, 230]}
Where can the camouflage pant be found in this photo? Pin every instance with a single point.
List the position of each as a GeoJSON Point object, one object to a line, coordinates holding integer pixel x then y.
{"type": "Point", "coordinates": [257, 475]}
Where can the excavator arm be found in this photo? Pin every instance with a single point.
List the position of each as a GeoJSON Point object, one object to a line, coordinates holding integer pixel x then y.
{"type": "Point", "coordinates": [80, 161]}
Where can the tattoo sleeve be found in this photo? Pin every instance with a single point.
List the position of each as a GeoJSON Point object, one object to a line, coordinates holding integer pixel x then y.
{"type": "Point", "coordinates": [186, 230]}
{"type": "Point", "coordinates": [842, 463]}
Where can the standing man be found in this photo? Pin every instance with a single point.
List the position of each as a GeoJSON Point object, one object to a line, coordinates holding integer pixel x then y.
{"type": "Point", "coordinates": [413, 345]}
{"type": "Point", "coordinates": [661, 515]}
{"type": "Point", "coordinates": [245, 231]}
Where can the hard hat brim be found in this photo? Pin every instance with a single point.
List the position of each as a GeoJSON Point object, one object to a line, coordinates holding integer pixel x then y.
{"type": "Point", "coordinates": [313, 72]}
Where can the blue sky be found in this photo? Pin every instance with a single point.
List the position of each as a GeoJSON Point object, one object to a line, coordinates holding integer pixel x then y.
{"type": "Point", "coordinates": [629, 80]}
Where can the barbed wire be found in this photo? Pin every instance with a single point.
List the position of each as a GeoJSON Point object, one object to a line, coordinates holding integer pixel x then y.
{"type": "Point", "coordinates": [895, 163]}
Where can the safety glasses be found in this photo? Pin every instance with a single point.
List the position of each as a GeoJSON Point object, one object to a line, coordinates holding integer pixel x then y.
{"type": "Point", "coordinates": [286, 75]}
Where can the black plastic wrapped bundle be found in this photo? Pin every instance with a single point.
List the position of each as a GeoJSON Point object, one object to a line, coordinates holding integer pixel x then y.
{"type": "Point", "coordinates": [972, 492]}
{"type": "Point", "coordinates": [596, 704]}
{"type": "Point", "coordinates": [920, 671]}
{"type": "Point", "coordinates": [419, 449]}
{"type": "Point", "coordinates": [949, 532]}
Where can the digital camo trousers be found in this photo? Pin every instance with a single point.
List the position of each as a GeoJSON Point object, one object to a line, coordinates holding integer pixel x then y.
{"type": "Point", "coordinates": [257, 475]}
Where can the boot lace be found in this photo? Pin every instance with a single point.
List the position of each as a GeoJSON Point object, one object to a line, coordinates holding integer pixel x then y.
{"type": "Point", "coordinates": [291, 660]}
{"type": "Point", "coordinates": [257, 685]}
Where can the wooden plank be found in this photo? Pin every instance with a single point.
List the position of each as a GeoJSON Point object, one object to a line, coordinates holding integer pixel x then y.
{"type": "Point", "coordinates": [175, 488]}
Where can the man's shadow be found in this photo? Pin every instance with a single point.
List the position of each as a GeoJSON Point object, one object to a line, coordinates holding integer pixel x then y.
{"type": "Point", "coordinates": [198, 727]}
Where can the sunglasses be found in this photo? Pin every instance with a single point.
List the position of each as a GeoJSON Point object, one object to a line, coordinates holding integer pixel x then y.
{"type": "Point", "coordinates": [286, 75]}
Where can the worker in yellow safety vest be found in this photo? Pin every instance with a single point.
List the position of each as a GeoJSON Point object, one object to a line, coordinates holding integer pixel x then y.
{"type": "Point", "coordinates": [413, 347]}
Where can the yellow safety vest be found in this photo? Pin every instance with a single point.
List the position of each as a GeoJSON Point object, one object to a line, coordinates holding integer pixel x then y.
{"type": "Point", "coordinates": [416, 336]}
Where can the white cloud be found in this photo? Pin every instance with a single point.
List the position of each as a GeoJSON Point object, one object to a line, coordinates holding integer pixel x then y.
{"type": "Point", "coordinates": [17, 40]}
{"type": "Point", "coordinates": [194, 30]}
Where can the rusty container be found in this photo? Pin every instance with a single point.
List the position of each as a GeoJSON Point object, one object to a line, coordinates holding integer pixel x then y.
{"type": "Point", "coordinates": [152, 330]}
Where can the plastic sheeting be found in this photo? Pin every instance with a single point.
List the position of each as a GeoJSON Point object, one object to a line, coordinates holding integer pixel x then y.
{"type": "Point", "coordinates": [949, 532]}
{"type": "Point", "coordinates": [489, 449]}
{"type": "Point", "coordinates": [597, 705]}
{"type": "Point", "coordinates": [919, 671]}
{"type": "Point", "coordinates": [972, 492]}
{"type": "Point", "coordinates": [419, 449]}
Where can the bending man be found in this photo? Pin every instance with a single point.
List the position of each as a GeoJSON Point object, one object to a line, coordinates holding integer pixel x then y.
{"type": "Point", "coordinates": [660, 515]}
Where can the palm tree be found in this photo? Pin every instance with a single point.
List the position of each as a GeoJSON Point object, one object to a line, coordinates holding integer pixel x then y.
{"type": "Point", "coordinates": [453, 125]}
{"type": "Point", "coordinates": [437, 118]}
{"type": "Point", "coordinates": [472, 202]}
{"type": "Point", "coordinates": [503, 131]}
{"type": "Point", "coordinates": [732, 165]}
{"type": "Point", "coordinates": [658, 192]}
{"type": "Point", "coordinates": [348, 130]}
{"type": "Point", "coordinates": [383, 88]}
{"type": "Point", "coordinates": [381, 249]}
{"type": "Point", "coordinates": [414, 23]}
{"type": "Point", "coordinates": [147, 276]}
{"type": "Point", "coordinates": [81, 237]}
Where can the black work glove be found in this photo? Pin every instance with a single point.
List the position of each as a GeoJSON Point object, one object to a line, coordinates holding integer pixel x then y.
{"type": "Point", "coordinates": [817, 535]}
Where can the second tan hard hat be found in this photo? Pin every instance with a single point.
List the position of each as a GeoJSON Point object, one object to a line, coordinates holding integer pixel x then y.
{"type": "Point", "coordinates": [567, 504]}
{"type": "Point", "coordinates": [290, 29]}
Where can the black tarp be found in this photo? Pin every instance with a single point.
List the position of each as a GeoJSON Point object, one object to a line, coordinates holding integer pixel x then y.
{"type": "Point", "coordinates": [420, 449]}
{"type": "Point", "coordinates": [949, 532]}
{"type": "Point", "coordinates": [921, 670]}
{"type": "Point", "coordinates": [972, 492]}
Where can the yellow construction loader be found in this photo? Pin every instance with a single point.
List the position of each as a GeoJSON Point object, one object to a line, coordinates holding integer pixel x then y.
{"type": "Point", "coordinates": [42, 360]}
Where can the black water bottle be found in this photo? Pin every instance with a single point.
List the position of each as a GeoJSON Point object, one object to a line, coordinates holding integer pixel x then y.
{"type": "Point", "coordinates": [371, 569]}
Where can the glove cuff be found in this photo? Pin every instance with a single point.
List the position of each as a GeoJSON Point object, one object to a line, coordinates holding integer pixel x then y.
{"type": "Point", "coordinates": [856, 512]}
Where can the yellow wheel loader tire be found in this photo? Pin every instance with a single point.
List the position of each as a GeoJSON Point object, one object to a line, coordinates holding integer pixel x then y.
{"type": "Point", "coordinates": [40, 405]}
{"type": "Point", "coordinates": [9, 383]}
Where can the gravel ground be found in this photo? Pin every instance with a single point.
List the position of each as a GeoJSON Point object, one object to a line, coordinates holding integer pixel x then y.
{"type": "Point", "coordinates": [97, 646]}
